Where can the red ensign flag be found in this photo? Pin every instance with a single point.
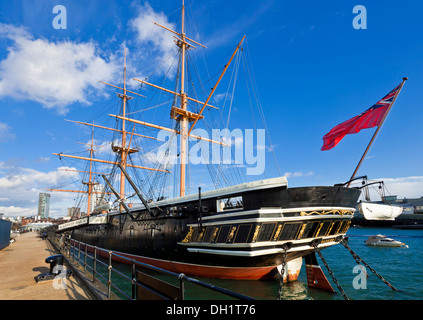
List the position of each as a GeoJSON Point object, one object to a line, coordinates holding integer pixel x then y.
{"type": "Point", "coordinates": [370, 118]}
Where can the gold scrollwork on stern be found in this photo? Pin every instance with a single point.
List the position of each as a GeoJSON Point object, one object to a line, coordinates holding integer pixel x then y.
{"type": "Point", "coordinates": [324, 212]}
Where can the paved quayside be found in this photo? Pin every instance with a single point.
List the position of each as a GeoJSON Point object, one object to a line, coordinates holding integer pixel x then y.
{"type": "Point", "coordinates": [22, 261]}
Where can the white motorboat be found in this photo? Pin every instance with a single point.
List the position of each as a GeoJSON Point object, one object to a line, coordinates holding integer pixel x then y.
{"type": "Point", "coordinates": [379, 211]}
{"type": "Point", "coordinates": [382, 241]}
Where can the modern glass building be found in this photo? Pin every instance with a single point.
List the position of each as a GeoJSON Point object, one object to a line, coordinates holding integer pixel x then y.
{"type": "Point", "coordinates": [44, 205]}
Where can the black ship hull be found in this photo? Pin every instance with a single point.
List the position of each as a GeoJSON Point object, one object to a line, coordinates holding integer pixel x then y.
{"type": "Point", "coordinates": [245, 239]}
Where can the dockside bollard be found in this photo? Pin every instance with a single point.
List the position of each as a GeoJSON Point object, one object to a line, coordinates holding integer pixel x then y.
{"type": "Point", "coordinates": [56, 267]}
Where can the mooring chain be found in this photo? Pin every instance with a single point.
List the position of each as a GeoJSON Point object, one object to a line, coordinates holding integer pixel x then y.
{"type": "Point", "coordinates": [283, 266]}
{"type": "Point", "coordinates": [358, 260]}
{"type": "Point", "coordinates": [331, 273]}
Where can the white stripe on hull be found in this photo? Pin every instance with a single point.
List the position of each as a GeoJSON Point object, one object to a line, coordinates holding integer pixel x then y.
{"type": "Point", "coordinates": [263, 252]}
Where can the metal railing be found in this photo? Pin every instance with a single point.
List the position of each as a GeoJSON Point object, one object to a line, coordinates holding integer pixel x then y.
{"type": "Point", "coordinates": [73, 248]}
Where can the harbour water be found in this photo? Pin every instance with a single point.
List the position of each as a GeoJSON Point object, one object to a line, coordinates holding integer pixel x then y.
{"type": "Point", "coordinates": [400, 266]}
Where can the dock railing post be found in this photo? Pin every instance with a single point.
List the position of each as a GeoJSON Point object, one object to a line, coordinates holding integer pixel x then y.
{"type": "Point", "coordinates": [109, 290]}
{"type": "Point", "coordinates": [182, 286]}
{"type": "Point", "coordinates": [85, 259]}
{"type": "Point", "coordinates": [134, 280]}
{"type": "Point", "coordinates": [94, 263]}
{"type": "Point", "coordinates": [72, 247]}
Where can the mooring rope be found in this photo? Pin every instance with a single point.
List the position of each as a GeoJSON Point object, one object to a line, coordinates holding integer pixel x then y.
{"type": "Point", "coordinates": [358, 260]}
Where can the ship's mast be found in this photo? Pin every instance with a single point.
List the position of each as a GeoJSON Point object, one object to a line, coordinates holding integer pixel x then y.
{"type": "Point", "coordinates": [183, 122]}
{"type": "Point", "coordinates": [181, 114]}
{"type": "Point", "coordinates": [124, 151]}
{"type": "Point", "coordinates": [90, 182]}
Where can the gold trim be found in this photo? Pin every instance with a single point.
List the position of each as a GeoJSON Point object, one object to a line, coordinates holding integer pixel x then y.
{"type": "Point", "coordinates": [322, 213]}
{"type": "Point", "coordinates": [213, 237]}
{"type": "Point", "coordinates": [278, 232]}
{"type": "Point", "coordinates": [231, 234]}
{"type": "Point", "coordinates": [318, 229]}
{"type": "Point", "coordinates": [300, 235]}
{"type": "Point", "coordinates": [189, 235]}
{"type": "Point", "coordinates": [328, 240]}
{"type": "Point", "coordinates": [256, 232]}
{"type": "Point", "coordinates": [201, 235]}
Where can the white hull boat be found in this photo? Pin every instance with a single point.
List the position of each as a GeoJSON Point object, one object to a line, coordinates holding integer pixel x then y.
{"type": "Point", "coordinates": [382, 241]}
{"type": "Point", "coordinates": [379, 211]}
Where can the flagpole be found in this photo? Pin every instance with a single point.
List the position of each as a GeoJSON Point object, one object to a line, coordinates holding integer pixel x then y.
{"type": "Point", "coordinates": [376, 132]}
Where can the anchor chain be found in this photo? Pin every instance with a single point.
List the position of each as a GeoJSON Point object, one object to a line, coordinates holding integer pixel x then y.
{"type": "Point", "coordinates": [283, 266]}
{"type": "Point", "coordinates": [331, 272]}
{"type": "Point", "coordinates": [358, 260]}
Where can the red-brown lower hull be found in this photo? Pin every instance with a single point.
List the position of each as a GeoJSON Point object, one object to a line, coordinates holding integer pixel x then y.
{"type": "Point", "coordinates": [235, 273]}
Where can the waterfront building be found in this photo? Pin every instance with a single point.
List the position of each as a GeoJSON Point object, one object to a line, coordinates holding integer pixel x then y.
{"type": "Point", "coordinates": [44, 205]}
{"type": "Point", "coordinates": [97, 196]}
{"type": "Point", "coordinates": [74, 212]}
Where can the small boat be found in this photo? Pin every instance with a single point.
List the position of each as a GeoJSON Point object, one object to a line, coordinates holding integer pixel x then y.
{"type": "Point", "coordinates": [382, 241]}
{"type": "Point", "coordinates": [379, 211]}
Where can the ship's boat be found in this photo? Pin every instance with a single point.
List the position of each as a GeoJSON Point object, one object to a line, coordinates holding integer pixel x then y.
{"type": "Point", "coordinates": [382, 210]}
{"type": "Point", "coordinates": [379, 211]}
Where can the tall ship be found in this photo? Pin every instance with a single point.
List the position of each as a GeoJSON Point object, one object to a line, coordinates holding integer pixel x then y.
{"type": "Point", "coordinates": [244, 230]}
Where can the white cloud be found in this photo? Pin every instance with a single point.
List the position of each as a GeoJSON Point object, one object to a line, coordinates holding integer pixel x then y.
{"type": "Point", "coordinates": [222, 97]}
{"type": "Point", "coordinates": [42, 159]}
{"type": "Point", "coordinates": [159, 41]}
{"type": "Point", "coordinates": [409, 187]}
{"type": "Point", "coordinates": [298, 174]}
{"type": "Point", "coordinates": [13, 211]}
{"type": "Point", "coordinates": [53, 74]}
{"type": "Point", "coordinates": [5, 132]}
{"type": "Point", "coordinates": [20, 188]}
{"type": "Point", "coordinates": [29, 178]}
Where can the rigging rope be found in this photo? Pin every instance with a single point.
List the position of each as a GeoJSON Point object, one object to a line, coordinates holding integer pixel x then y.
{"type": "Point", "coordinates": [259, 106]}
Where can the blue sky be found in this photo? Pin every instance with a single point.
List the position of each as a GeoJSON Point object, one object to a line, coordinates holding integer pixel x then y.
{"type": "Point", "coordinates": [313, 70]}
